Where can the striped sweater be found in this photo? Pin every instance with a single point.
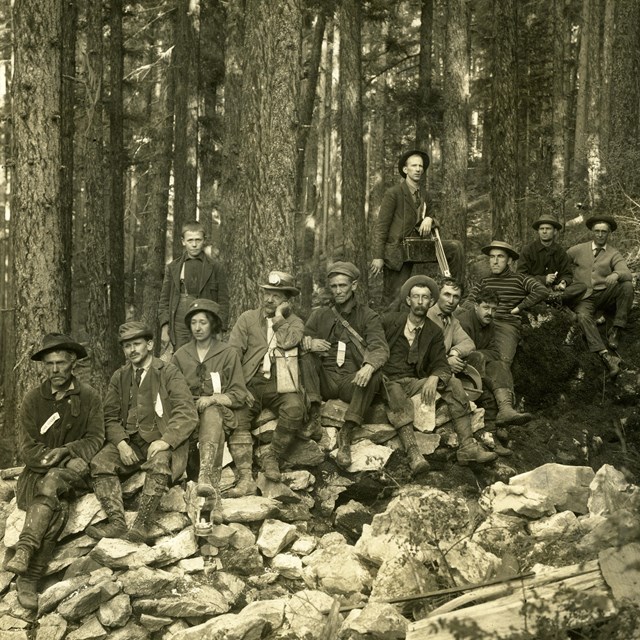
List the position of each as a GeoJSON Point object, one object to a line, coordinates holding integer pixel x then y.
{"type": "Point", "coordinates": [514, 290]}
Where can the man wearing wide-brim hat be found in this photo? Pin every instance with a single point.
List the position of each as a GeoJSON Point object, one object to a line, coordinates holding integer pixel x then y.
{"type": "Point", "coordinates": [61, 427]}
{"type": "Point", "coordinates": [266, 339]}
{"type": "Point", "coordinates": [149, 416]}
{"type": "Point", "coordinates": [609, 288]}
{"type": "Point", "coordinates": [546, 261]}
{"type": "Point", "coordinates": [403, 214]}
{"type": "Point", "coordinates": [516, 291]}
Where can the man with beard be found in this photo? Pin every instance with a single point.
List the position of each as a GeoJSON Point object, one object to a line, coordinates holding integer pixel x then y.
{"type": "Point", "coordinates": [417, 364]}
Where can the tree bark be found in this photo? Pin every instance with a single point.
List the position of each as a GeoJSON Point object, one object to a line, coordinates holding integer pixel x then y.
{"type": "Point", "coordinates": [423, 123]}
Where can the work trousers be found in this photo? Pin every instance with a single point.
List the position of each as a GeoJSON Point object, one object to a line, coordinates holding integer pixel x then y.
{"type": "Point", "coordinates": [495, 374]}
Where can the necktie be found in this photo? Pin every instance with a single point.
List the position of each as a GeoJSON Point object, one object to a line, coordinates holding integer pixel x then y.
{"type": "Point", "coordinates": [597, 251]}
{"type": "Point", "coordinates": [139, 373]}
{"type": "Point", "coordinates": [412, 358]}
{"type": "Point", "coordinates": [416, 197]}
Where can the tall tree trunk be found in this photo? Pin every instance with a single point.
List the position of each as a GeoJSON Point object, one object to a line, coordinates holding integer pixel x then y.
{"type": "Point", "coordinates": [354, 230]}
{"type": "Point", "coordinates": [423, 120]}
{"type": "Point", "coordinates": [185, 160]}
{"type": "Point", "coordinates": [579, 168]}
{"type": "Point", "coordinates": [41, 289]}
{"type": "Point", "coordinates": [259, 204]}
{"type": "Point", "coordinates": [505, 223]}
{"type": "Point", "coordinates": [456, 100]}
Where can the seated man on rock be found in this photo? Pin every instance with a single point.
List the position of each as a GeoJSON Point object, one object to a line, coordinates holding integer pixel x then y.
{"type": "Point", "coordinates": [345, 349]}
{"type": "Point", "coordinates": [418, 365]}
{"type": "Point", "coordinates": [61, 428]}
{"type": "Point", "coordinates": [149, 415]}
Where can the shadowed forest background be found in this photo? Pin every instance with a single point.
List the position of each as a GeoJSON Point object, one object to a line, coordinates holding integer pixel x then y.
{"type": "Point", "coordinates": [278, 124]}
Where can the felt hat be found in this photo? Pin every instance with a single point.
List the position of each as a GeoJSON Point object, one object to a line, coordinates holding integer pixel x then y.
{"type": "Point", "coordinates": [593, 220]}
{"type": "Point", "coordinates": [405, 156]}
{"type": "Point", "coordinates": [420, 281]}
{"type": "Point", "coordinates": [132, 330]}
{"type": "Point", "coordinates": [471, 382]}
{"type": "Point", "coordinates": [202, 304]}
{"type": "Point", "coordinates": [343, 268]}
{"type": "Point", "coordinates": [547, 218]}
{"type": "Point", "coordinates": [499, 244]}
{"type": "Point", "coordinates": [59, 342]}
{"type": "Point", "coordinates": [281, 281]}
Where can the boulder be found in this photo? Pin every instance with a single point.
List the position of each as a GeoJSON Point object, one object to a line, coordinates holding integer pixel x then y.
{"type": "Point", "coordinates": [51, 627]}
{"type": "Point", "coordinates": [115, 612]}
{"type": "Point", "coordinates": [287, 565]}
{"type": "Point", "coordinates": [174, 500]}
{"type": "Point", "coordinates": [377, 433]}
{"type": "Point", "coordinates": [221, 535]}
{"type": "Point", "coordinates": [230, 627]}
{"type": "Point", "coordinates": [58, 591]}
{"type": "Point", "coordinates": [131, 631]}
{"type": "Point", "coordinates": [248, 509]}
{"type": "Point", "coordinates": [169, 550]}
{"type": "Point", "coordinates": [66, 554]}
{"type": "Point", "coordinates": [143, 581]}
{"type": "Point", "coordinates": [243, 538]}
{"type": "Point", "coordinates": [299, 479]}
{"type": "Point", "coordinates": [519, 500]}
{"type": "Point", "coordinates": [306, 613]}
{"type": "Point", "coordinates": [610, 491]}
{"type": "Point", "coordinates": [554, 527]}
{"type": "Point", "coordinates": [327, 494]}
{"type": "Point", "coordinates": [243, 562]}
{"type": "Point", "coordinates": [200, 600]}
{"type": "Point", "coordinates": [305, 453]}
{"type": "Point", "coordinates": [351, 517]}
{"type": "Point", "coordinates": [274, 536]}
{"type": "Point", "coordinates": [191, 565]}
{"type": "Point", "coordinates": [277, 490]}
{"type": "Point", "coordinates": [87, 600]}
{"type": "Point", "coordinates": [367, 456]}
{"type": "Point", "coordinates": [91, 629]}
{"type": "Point", "coordinates": [427, 442]}
{"type": "Point", "coordinates": [154, 623]}
{"type": "Point", "coordinates": [229, 585]}
{"type": "Point", "coordinates": [376, 621]}
{"type": "Point", "coordinates": [403, 575]}
{"type": "Point", "coordinates": [304, 545]}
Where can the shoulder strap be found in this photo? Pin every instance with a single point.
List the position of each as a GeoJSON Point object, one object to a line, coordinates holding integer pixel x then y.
{"type": "Point", "coordinates": [357, 340]}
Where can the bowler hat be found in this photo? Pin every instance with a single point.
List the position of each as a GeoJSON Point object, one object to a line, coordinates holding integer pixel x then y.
{"type": "Point", "coordinates": [593, 220]}
{"type": "Point", "coordinates": [547, 218]}
{"type": "Point", "coordinates": [132, 330]}
{"type": "Point", "coordinates": [343, 268]}
{"type": "Point", "coordinates": [202, 304]}
{"type": "Point", "coordinates": [59, 342]}
{"type": "Point", "coordinates": [499, 244]}
{"type": "Point", "coordinates": [281, 281]}
{"type": "Point", "coordinates": [420, 281]}
{"type": "Point", "coordinates": [405, 156]}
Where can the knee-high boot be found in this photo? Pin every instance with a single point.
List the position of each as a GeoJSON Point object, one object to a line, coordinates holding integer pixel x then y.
{"type": "Point", "coordinates": [280, 442]}
{"type": "Point", "coordinates": [417, 462]}
{"type": "Point", "coordinates": [109, 493]}
{"type": "Point", "coordinates": [152, 492]}
{"type": "Point", "coordinates": [35, 527]}
{"type": "Point", "coordinates": [241, 449]}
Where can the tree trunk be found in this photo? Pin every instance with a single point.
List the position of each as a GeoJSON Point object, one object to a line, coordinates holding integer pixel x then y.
{"type": "Point", "coordinates": [354, 230]}
{"type": "Point", "coordinates": [582, 101]}
{"type": "Point", "coordinates": [41, 289]}
{"type": "Point", "coordinates": [259, 203]}
{"type": "Point", "coordinates": [456, 99]}
{"type": "Point", "coordinates": [423, 120]}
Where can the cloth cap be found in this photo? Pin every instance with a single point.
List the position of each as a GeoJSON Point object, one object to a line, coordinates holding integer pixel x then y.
{"type": "Point", "coordinates": [343, 268]}
{"type": "Point", "coordinates": [420, 281]}
{"type": "Point", "coordinates": [405, 156]}
{"type": "Point", "coordinates": [132, 330]}
{"type": "Point", "coordinates": [546, 218]}
{"type": "Point", "coordinates": [498, 244]}
{"type": "Point", "coordinates": [59, 342]}
{"type": "Point", "coordinates": [202, 304]}
{"type": "Point", "coordinates": [593, 220]}
{"type": "Point", "coordinates": [281, 281]}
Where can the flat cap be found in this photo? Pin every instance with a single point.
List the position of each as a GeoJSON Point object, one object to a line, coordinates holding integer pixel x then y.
{"type": "Point", "coordinates": [132, 330]}
{"type": "Point", "coordinates": [343, 268]}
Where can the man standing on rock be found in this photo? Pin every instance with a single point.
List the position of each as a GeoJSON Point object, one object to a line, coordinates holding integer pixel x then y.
{"type": "Point", "coordinates": [265, 338]}
{"type": "Point", "coordinates": [345, 349]}
{"type": "Point", "coordinates": [608, 280]}
{"type": "Point", "coordinates": [149, 416]}
{"type": "Point", "coordinates": [61, 427]}
{"type": "Point", "coordinates": [418, 365]}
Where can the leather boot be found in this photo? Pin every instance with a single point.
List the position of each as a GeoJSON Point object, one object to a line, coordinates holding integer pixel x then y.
{"type": "Point", "coordinates": [27, 585]}
{"type": "Point", "coordinates": [313, 429]}
{"type": "Point", "coordinates": [469, 450]}
{"type": "Point", "coordinates": [280, 442]}
{"type": "Point", "coordinates": [241, 449]}
{"type": "Point", "coordinates": [345, 436]}
{"type": "Point", "coordinates": [417, 463]}
{"type": "Point", "coordinates": [154, 486]}
{"type": "Point", "coordinates": [506, 413]}
{"type": "Point", "coordinates": [611, 362]}
{"type": "Point", "coordinates": [107, 490]}
{"type": "Point", "coordinates": [36, 523]}
{"type": "Point", "coordinates": [208, 455]}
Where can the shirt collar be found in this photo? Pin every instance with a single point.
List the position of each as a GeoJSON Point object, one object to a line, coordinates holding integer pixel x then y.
{"type": "Point", "coordinates": [594, 246]}
{"type": "Point", "coordinates": [412, 327]}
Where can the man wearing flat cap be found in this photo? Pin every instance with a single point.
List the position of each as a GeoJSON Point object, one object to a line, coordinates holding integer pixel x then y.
{"type": "Point", "coordinates": [546, 261]}
{"type": "Point", "coordinates": [417, 364]}
{"type": "Point", "coordinates": [267, 339]}
{"type": "Point", "coordinates": [403, 213]}
{"type": "Point", "coordinates": [61, 427]}
{"type": "Point", "coordinates": [149, 415]}
{"type": "Point", "coordinates": [601, 267]}
{"type": "Point", "coordinates": [345, 350]}
{"type": "Point", "coordinates": [516, 292]}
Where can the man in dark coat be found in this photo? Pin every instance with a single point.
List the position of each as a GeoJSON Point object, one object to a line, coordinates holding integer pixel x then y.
{"type": "Point", "coordinates": [418, 365]}
{"type": "Point", "coordinates": [191, 276]}
{"type": "Point", "coordinates": [61, 428]}
{"type": "Point", "coordinates": [403, 213]}
{"type": "Point", "coordinates": [149, 416]}
{"type": "Point", "coordinates": [345, 350]}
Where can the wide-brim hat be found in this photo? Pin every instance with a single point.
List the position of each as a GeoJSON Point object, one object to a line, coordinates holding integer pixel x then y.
{"type": "Point", "coordinates": [420, 281]}
{"type": "Point", "coordinates": [499, 244]}
{"type": "Point", "coordinates": [133, 330]}
{"type": "Point", "coordinates": [281, 281]}
{"type": "Point", "coordinates": [547, 219]}
{"type": "Point", "coordinates": [344, 269]}
{"type": "Point", "coordinates": [593, 220]}
{"type": "Point", "coordinates": [59, 342]}
{"type": "Point", "coordinates": [414, 152]}
{"type": "Point", "coordinates": [202, 304]}
{"type": "Point", "coordinates": [471, 381]}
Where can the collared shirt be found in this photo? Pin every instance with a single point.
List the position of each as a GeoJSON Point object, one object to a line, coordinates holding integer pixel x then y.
{"type": "Point", "coordinates": [145, 369]}
{"type": "Point", "coordinates": [538, 261]}
{"type": "Point", "coordinates": [596, 249]}
{"type": "Point", "coordinates": [190, 273]}
{"type": "Point", "coordinates": [411, 330]}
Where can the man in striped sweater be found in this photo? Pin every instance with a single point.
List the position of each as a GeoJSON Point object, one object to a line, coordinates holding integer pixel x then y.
{"type": "Point", "coordinates": [517, 293]}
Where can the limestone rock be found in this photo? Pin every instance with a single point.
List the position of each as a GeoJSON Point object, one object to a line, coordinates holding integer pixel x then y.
{"type": "Point", "coordinates": [85, 601]}
{"type": "Point", "coordinates": [500, 530]}
{"type": "Point", "coordinates": [154, 623]}
{"type": "Point", "coordinates": [58, 591]}
{"type": "Point", "coordinates": [221, 535]}
{"type": "Point", "coordinates": [230, 626]}
{"type": "Point", "coordinates": [305, 454]}
{"type": "Point", "coordinates": [227, 584]}
{"type": "Point", "coordinates": [191, 565]}
{"type": "Point", "coordinates": [115, 612]}
{"type": "Point", "coordinates": [168, 523]}
{"type": "Point", "coordinates": [555, 526]}
{"type": "Point", "coordinates": [304, 545]}
{"type": "Point", "coordinates": [51, 627]}
{"type": "Point", "coordinates": [376, 621]}
{"type": "Point", "coordinates": [248, 509]}
{"type": "Point", "coordinates": [334, 485]}
{"type": "Point", "coordinates": [305, 614]}
{"type": "Point", "coordinates": [9, 622]}
{"type": "Point", "coordinates": [243, 562]}
{"type": "Point", "coordinates": [169, 550]}
{"type": "Point", "coordinates": [270, 610]}
{"type": "Point", "coordinates": [117, 553]}
{"type": "Point", "coordinates": [377, 433]}
{"type": "Point", "coordinates": [520, 500]}
{"type": "Point", "coordinates": [367, 456]}
{"type": "Point", "coordinates": [617, 529]}
{"type": "Point", "coordinates": [143, 581]}
{"type": "Point", "coordinates": [174, 500]}
{"type": "Point", "coordinates": [243, 538]}
{"type": "Point", "coordinates": [468, 561]}
{"type": "Point", "coordinates": [567, 487]}
{"type": "Point", "coordinates": [198, 601]}
{"type": "Point", "coordinates": [299, 479]}
{"type": "Point", "coordinates": [276, 490]}
{"type": "Point", "coordinates": [274, 536]}
{"type": "Point", "coordinates": [610, 491]}
{"type": "Point", "coordinates": [81, 567]}
{"type": "Point", "coordinates": [403, 575]}
{"type": "Point", "coordinates": [131, 631]}
{"type": "Point", "coordinates": [90, 630]}
{"type": "Point", "coordinates": [351, 517]}
{"type": "Point", "coordinates": [287, 565]}
{"type": "Point", "coordinates": [174, 628]}
{"type": "Point", "coordinates": [424, 415]}
{"type": "Point", "coordinates": [81, 513]}
{"type": "Point", "coordinates": [427, 442]}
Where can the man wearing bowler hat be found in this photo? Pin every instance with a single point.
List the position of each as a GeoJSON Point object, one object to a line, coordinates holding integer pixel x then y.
{"type": "Point", "coordinates": [61, 427]}
{"type": "Point", "coordinates": [345, 349]}
{"type": "Point", "coordinates": [516, 292]}
{"type": "Point", "coordinates": [601, 267]}
{"type": "Point", "coordinates": [267, 339]}
{"type": "Point", "coordinates": [149, 415]}
{"type": "Point", "coordinates": [403, 213]}
{"type": "Point", "coordinates": [546, 261]}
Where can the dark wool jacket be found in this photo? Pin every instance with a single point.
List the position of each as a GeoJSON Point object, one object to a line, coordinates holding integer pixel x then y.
{"type": "Point", "coordinates": [432, 357]}
{"type": "Point", "coordinates": [538, 261]}
{"type": "Point", "coordinates": [179, 418]}
{"type": "Point", "coordinates": [80, 428]}
{"type": "Point", "coordinates": [482, 335]}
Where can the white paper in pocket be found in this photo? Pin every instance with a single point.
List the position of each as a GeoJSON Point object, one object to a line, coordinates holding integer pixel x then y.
{"type": "Point", "coordinates": [51, 420]}
{"type": "Point", "coordinates": [159, 409]}
{"type": "Point", "coordinates": [216, 381]}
